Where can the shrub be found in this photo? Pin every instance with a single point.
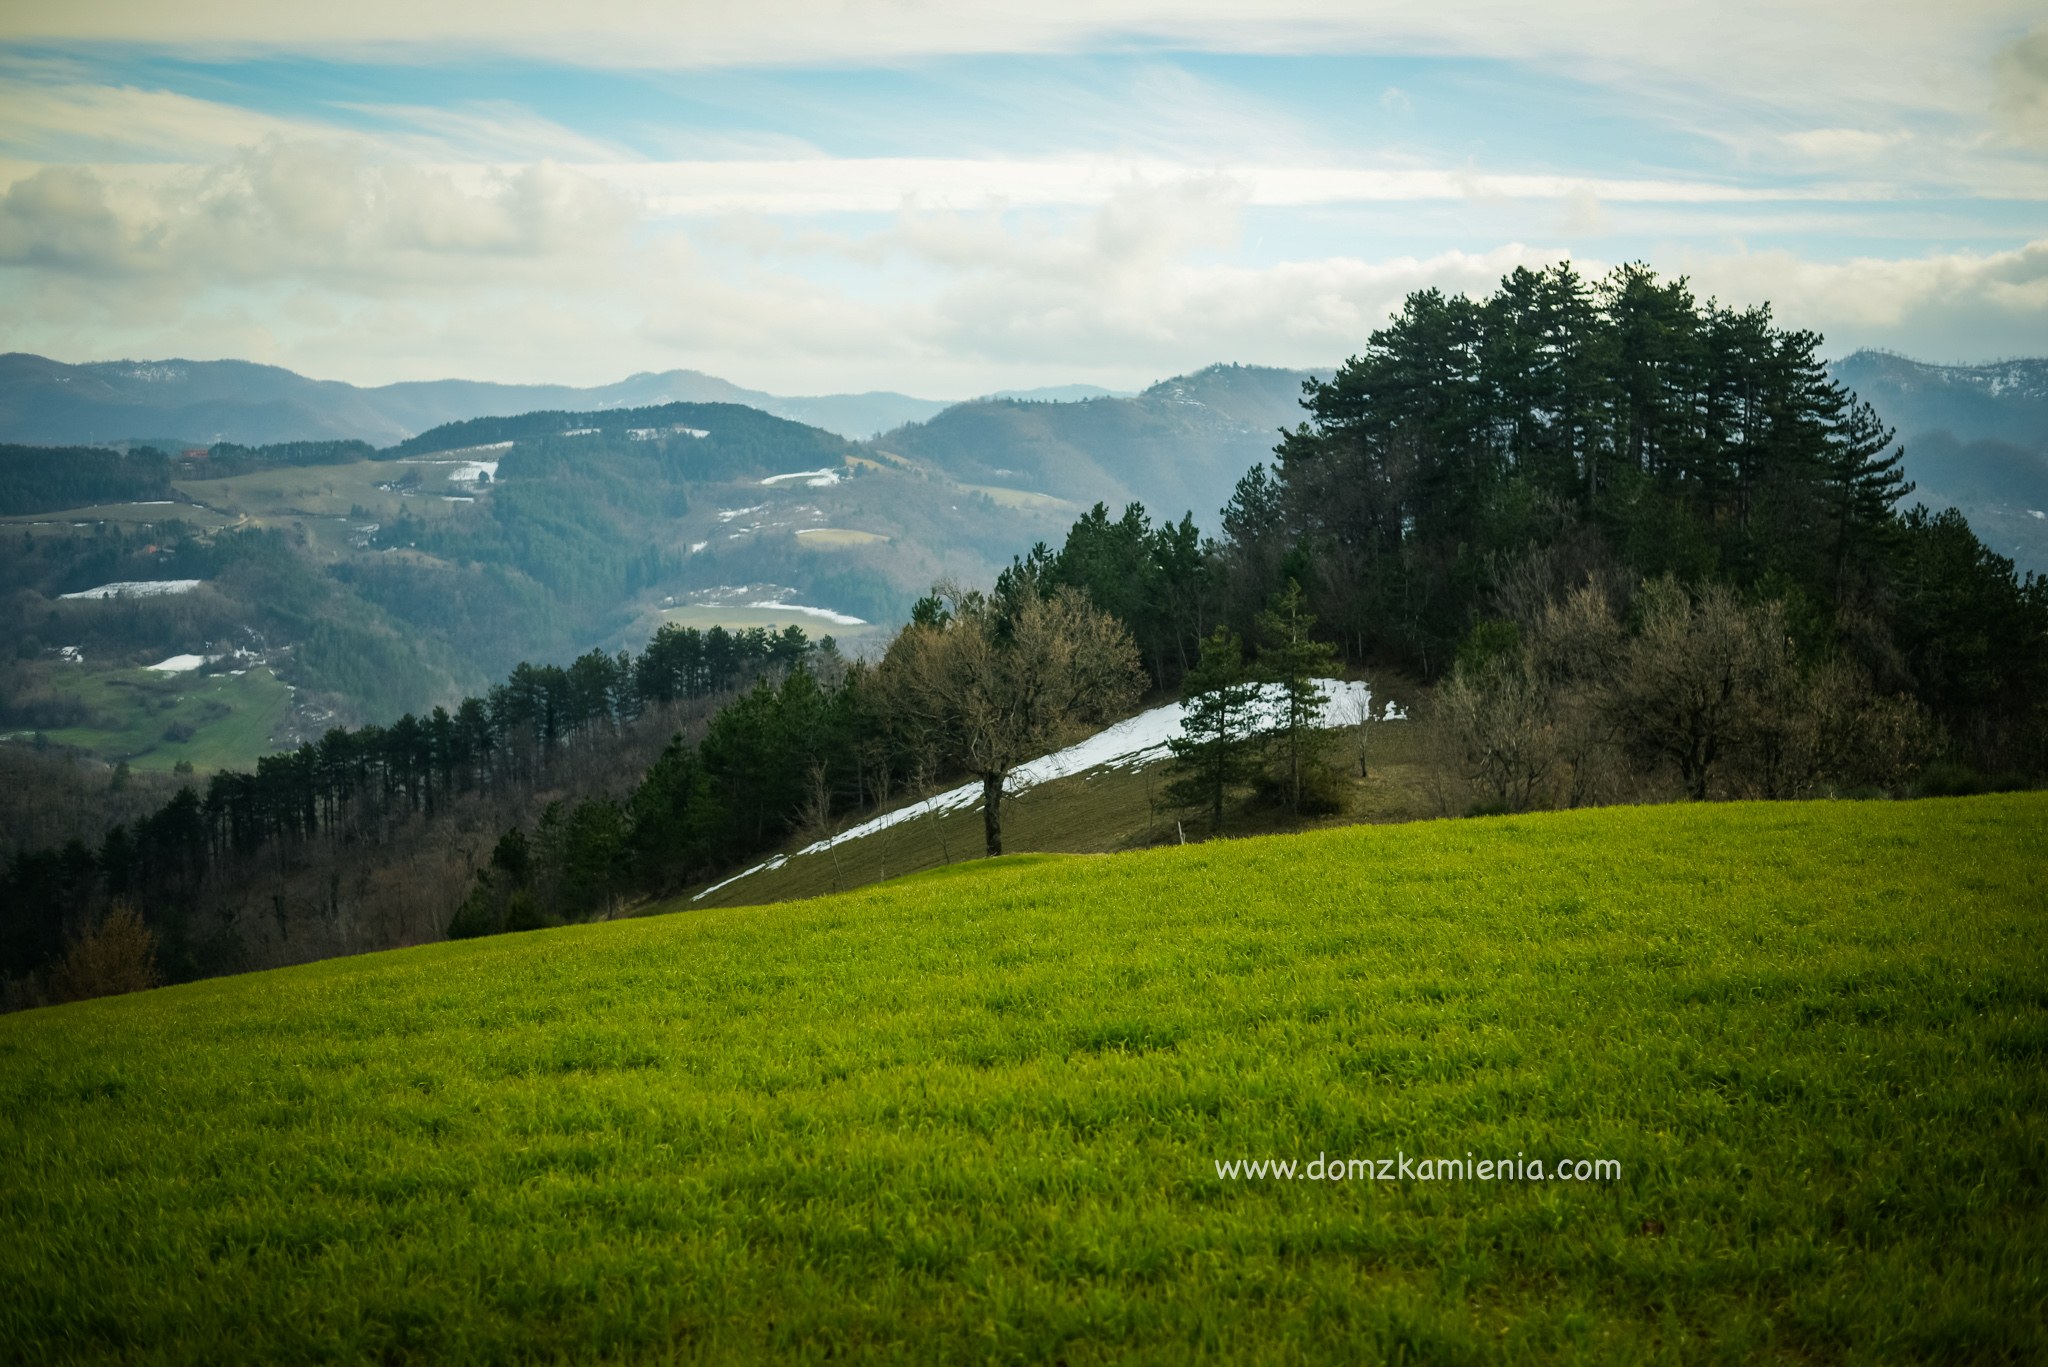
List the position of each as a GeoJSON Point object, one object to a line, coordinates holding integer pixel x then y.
{"type": "Point", "coordinates": [118, 955]}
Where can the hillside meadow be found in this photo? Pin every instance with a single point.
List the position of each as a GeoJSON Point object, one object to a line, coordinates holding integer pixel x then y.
{"type": "Point", "coordinates": [978, 1113]}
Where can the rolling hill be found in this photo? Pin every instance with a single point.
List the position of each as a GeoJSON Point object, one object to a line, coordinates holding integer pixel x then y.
{"type": "Point", "coordinates": [1031, 1109]}
{"type": "Point", "coordinates": [1178, 447]}
{"type": "Point", "coordinates": [1976, 437]}
{"type": "Point", "coordinates": [45, 402]}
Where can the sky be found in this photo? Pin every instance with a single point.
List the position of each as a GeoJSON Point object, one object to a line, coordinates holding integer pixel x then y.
{"type": "Point", "coordinates": [814, 196]}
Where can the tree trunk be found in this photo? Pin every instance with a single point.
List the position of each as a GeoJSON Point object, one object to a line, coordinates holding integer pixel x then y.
{"type": "Point", "coordinates": [991, 812]}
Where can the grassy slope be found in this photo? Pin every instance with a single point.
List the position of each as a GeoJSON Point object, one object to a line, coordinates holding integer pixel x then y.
{"type": "Point", "coordinates": [975, 1114]}
{"type": "Point", "coordinates": [1099, 812]}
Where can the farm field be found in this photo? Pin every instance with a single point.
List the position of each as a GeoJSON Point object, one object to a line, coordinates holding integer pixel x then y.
{"type": "Point", "coordinates": [142, 513]}
{"type": "Point", "coordinates": [153, 720]}
{"type": "Point", "coordinates": [836, 538]}
{"type": "Point", "coordinates": [331, 490]}
{"type": "Point", "coordinates": [737, 617]}
{"type": "Point", "coordinates": [1024, 499]}
{"type": "Point", "coordinates": [979, 1113]}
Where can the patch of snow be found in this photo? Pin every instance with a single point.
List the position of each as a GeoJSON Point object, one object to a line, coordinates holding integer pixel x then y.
{"type": "Point", "coordinates": [458, 498]}
{"type": "Point", "coordinates": [815, 479]}
{"type": "Point", "coordinates": [827, 614]}
{"type": "Point", "coordinates": [180, 664]}
{"type": "Point", "coordinates": [138, 588]}
{"type": "Point", "coordinates": [579, 432]}
{"type": "Point", "coordinates": [465, 471]}
{"type": "Point", "coordinates": [728, 514]}
{"type": "Point", "coordinates": [650, 433]}
{"type": "Point", "coordinates": [71, 654]}
{"type": "Point", "coordinates": [696, 546]}
{"type": "Point", "coordinates": [777, 862]}
{"type": "Point", "coordinates": [155, 503]}
{"type": "Point", "coordinates": [1130, 744]}
{"type": "Point", "coordinates": [2036, 512]}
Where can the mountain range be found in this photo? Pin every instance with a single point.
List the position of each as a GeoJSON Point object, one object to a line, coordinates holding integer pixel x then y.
{"type": "Point", "coordinates": [1975, 436]}
{"type": "Point", "coordinates": [46, 402]}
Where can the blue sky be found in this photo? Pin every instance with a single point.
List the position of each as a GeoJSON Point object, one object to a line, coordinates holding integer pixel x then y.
{"type": "Point", "coordinates": [944, 199]}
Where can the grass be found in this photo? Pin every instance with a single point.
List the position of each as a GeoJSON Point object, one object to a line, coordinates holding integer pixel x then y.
{"type": "Point", "coordinates": [1025, 499]}
{"type": "Point", "coordinates": [153, 720]}
{"type": "Point", "coordinates": [316, 491]}
{"type": "Point", "coordinates": [976, 1114]}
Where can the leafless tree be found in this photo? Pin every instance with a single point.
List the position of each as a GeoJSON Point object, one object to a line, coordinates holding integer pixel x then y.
{"type": "Point", "coordinates": [1005, 682]}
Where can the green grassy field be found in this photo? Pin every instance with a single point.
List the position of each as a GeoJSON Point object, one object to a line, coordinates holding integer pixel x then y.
{"type": "Point", "coordinates": [330, 491]}
{"type": "Point", "coordinates": [977, 1114]}
{"type": "Point", "coordinates": [153, 720]}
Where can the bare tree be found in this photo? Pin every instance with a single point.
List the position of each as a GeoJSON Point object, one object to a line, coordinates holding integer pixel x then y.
{"type": "Point", "coordinates": [1496, 719]}
{"type": "Point", "coordinates": [1695, 683]}
{"type": "Point", "coordinates": [1005, 681]}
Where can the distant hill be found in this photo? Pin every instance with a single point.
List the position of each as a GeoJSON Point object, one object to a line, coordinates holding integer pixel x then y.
{"type": "Point", "coordinates": [46, 402]}
{"type": "Point", "coordinates": [1975, 437]}
{"type": "Point", "coordinates": [1178, 447]}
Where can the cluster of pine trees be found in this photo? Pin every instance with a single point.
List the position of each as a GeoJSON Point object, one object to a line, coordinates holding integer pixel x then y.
{"type": "Point", "coordinates": [1618, 428]}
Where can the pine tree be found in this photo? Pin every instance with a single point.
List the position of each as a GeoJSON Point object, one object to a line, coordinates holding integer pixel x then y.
{"type": "Point", "coordinates": [1213, 753]}
{"type": "Point", "coordinates": [1291, 660]}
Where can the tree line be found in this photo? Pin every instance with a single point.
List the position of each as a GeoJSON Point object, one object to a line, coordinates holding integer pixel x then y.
{"type": "Point", "coordinates": [352, 787]}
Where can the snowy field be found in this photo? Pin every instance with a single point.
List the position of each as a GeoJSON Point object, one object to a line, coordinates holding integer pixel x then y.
{"type": "Point", "coordinates": [822, 614]}
{"type": "Point", "coordinates": [1130, 744]}
{"type": "Point", "coordinates": [138, 588]}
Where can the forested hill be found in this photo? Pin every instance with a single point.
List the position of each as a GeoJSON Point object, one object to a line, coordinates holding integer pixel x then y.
{"type": "Point", "coordinates": [2005, 400]}
{"type": "Point", "coordinates": [725, 438]}
{"type": "Point", "coordinates": [1178, 447]}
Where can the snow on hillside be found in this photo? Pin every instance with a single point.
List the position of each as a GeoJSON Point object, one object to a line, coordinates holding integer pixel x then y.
{"type": "Point", "coordinates": [1130, 744]}
{"type": "Point", "coordinates": [138, 588]}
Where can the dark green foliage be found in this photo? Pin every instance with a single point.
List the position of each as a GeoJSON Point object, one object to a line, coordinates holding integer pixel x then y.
{"type": "Point", "coordinates": [1214, 753]}
{"type": "Point", "coordinates": [1152, 579]}
{"type": "Point", "coordinates": [737, 440]}
{"type": "Point", "coordinates": [1623, 426]}
{"type": "Point", "coordinates": [37, 479]}
{"type": "Point", "coordinates": [1291, 660]}
{"type": "Point", "coordinates": [777, 756]}
{"type": "Point", "coordinates": [1973, 637]}
{"type": "Point", "coordinates": [225, 459]}
{"type": "Point", "coordinates": [1698, 440]}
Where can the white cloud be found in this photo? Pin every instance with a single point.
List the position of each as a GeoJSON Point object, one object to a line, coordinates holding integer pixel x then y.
{"type": "Point", "coordinates": [327, 257]}
{"type": "Point", "coordinates": [1943, 306]}
{"type": "Point", "coordinates": [335, 211]}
